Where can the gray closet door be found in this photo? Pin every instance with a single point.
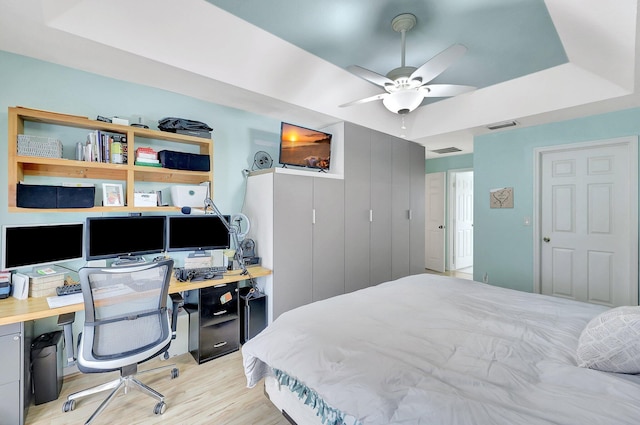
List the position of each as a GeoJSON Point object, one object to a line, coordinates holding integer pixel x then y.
{"type": "Point", "coordinates": [292, 231]}
{"type": "Point", "coordinates": [401, 201]}
{"type": "Point", "coordinates": [417, 223]}
{"type": "Point", "coordinates": [328, 238]}
{"type": "Point", "coordinates": [357, 159]}
{"type": "Point", "coordinates": [380, 248]}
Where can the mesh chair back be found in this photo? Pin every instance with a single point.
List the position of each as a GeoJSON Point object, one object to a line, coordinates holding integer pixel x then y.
{"type": "Point", "coordinates": [125, 313]}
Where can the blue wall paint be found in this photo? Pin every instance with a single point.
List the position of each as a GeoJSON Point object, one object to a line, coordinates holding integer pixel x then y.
{"type": "Point", "coordinates": [455, 162]}
{"type": "Point", "coordinates": [41, 85]}
{"type": "Point", "coordinates": [36, 84]}
{"type": "Point", "coordinates": [503, 246]}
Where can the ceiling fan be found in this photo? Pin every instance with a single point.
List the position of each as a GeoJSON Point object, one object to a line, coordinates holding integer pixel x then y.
{"type": "Point", "coordinates": [407, 86]}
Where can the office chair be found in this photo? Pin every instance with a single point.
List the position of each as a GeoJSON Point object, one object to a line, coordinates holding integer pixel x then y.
{"type": "Point", "coordinates": [126, 323]}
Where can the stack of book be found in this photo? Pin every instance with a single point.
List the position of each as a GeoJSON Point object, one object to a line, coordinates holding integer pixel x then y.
{"type": "Point", "coordinates": [147, 156]}
{"type": "Point", "coordinates": [99, 144]}
{"type": "Point", "coordinates": [5, 284]}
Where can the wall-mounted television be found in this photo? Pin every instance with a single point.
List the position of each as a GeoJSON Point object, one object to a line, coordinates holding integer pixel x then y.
{"type": "Point", "coordinates": [304, 147]}
{"type": "Point", "coordinates": [39, 244]}
{"type": "Point", "coordinates": [125, 238]}
{"type": "Point", "coordinates": [197, 233]}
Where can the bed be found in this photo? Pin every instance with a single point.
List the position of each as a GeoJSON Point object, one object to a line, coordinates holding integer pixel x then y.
{"type": "Point", "coordinates": [428, 349]}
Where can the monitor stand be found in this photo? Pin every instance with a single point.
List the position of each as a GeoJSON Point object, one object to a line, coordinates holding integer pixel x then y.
{"type": "Point", "coordinates": [128, 261]}
{"type": "Point", "coordinates": [200, 254]}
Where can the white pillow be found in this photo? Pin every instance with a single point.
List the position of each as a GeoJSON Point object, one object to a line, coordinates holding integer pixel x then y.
{"type": "Point", "coordinates": [611, 341]}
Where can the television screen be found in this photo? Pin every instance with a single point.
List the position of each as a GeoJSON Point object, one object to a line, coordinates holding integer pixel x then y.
{"type": "Point", "coordinates": [39, 244]}
{"type": "Point", "coordinates": [128, 236]}
{"type": "Point", "coordinates": [304, 147]}
{"type": "Point", "coordinates": [197, 233]}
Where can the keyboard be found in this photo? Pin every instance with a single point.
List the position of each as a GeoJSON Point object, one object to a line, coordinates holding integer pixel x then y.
{"type": "Point", "coordinates": [68, 289]}
{"type": "Point", "coordinates": [200, 273]}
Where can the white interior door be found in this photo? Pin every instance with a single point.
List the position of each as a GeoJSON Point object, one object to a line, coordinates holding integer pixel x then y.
{"type": "Point", "coordinates": [588, 223]}
{"type": "Point", "coordinates": [434, 221]}
{"type": "Point", "coordinates": [462, 195]}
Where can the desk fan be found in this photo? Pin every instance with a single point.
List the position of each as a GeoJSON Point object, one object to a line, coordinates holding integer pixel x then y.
{"type": "Point", "coordinates": [261, 161]}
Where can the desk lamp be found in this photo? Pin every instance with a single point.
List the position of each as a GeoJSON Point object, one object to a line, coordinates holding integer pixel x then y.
{"type": "Point", "coordinates": [233, 231]}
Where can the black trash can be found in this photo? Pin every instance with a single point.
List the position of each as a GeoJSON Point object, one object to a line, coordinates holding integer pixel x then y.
{"type": "Point", "coordinates": [46, 366]}
{"type": "Point", "coordinates": [253, 314]}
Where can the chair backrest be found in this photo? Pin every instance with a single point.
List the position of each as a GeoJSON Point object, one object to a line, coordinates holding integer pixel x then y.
{"type": "Point", "coordinates": [126, 318]}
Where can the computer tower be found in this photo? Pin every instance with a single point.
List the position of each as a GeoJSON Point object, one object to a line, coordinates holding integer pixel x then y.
{"type": "Point", "coordinates": [46, 364]}
{"type": "Point", "coordinates": [253, 318]}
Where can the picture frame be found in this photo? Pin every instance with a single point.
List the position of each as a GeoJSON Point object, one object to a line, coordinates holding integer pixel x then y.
{"type": "Point", "coordinates": [112, 195]}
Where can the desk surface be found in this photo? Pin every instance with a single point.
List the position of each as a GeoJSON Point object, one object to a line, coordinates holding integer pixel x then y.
{"type": "Point", "coordinates": [13, 310]}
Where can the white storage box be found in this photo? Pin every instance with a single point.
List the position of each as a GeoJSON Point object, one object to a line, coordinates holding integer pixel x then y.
{"type": "Point", "coordinates": [188, 195]}
{"type": "Point", "coordinates": [145, 199]}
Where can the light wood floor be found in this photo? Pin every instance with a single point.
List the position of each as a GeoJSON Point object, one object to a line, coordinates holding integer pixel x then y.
{"type": "Point", "coordinates": [213, 393]}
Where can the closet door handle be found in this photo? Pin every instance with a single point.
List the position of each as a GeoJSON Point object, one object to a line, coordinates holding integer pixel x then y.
{"type": "Point", "coordinates": [370, 216]}
{"type": "Point", "coordinates": [313, 216]}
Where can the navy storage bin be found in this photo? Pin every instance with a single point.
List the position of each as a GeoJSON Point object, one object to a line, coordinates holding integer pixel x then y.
{"type": "Point", "coordinates": [184, 161]}
{"type": "Point", "coordinates": [42, 196]}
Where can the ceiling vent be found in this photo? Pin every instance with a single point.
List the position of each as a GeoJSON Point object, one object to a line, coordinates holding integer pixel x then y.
{"type": "Point", "coordinates": [447, 150]}
{"type": "Point", "coordinates": [499, 125]}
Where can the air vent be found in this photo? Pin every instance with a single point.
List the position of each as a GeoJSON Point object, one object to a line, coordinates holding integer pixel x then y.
{"type": "Point", "coordinates": [447, 150]}
{"type": "Point", "coordinates": [499, 125]}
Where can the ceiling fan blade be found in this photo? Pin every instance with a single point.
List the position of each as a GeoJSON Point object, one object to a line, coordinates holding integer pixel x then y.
{"type": "Point", "coordinates": [437, 64]}
{"type": "Point", "coordinates": [366, 99]}
{"type": "Point", "coordinates": [444, 90]}
{"type": "Point", "coordinates": [372, 77]}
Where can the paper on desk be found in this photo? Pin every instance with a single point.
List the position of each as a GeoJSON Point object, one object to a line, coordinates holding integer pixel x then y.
{"type": "Point", "coordinates": [61, 301]}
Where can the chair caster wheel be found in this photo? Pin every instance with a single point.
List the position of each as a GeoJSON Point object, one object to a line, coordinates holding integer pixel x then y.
{"type": "Point", "coordinates": [160, 408]}
{"type": "Point", "coordinates": [175, 373]}
{"type": "Point", "coordinates": [166, 355]}
{"type": "Point", "coordinates": [68, 405]}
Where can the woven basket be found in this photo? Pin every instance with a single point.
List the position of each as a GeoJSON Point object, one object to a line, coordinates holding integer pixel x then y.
{"type": "Point", "coordinates": [39, 146]}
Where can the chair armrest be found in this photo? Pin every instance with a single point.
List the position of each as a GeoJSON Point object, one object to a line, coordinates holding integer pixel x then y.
{"type": "Point", "coordinates": [177, 300]}
{"type": "Point", "coordinates": [66, 320]}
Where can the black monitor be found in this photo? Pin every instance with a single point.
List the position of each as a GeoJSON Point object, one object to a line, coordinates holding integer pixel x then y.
{"type": "Point", "coordinates": [197, 233]}
{"type": "Point", "coordinates": [125, 238]}
{"type": "Point", "coordinates": [39, 244]}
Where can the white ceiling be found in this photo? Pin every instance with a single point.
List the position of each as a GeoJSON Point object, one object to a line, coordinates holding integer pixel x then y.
{"type": "Point", "coordinates": [197, 49]}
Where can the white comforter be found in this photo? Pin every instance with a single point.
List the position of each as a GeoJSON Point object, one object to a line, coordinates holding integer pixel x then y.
{"type": "Point", "coordinates": [435, 350]}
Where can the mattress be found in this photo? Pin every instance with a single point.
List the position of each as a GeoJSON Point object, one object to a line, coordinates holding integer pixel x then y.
{"type": "Point", "coordinates": [428, 349]}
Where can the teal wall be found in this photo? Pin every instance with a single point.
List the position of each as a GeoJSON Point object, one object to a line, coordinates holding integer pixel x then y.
{"type": "Point", "coordinates": [42, 85]}
{"type": "Point", "coordinates": [36, 84]}
{"type": "Point", "coordinates": [503, 246]}
{"type": "Point", "coordinates": [455, 162]}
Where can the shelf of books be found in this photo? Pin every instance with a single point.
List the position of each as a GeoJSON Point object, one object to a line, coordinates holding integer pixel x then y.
{"type": "Point", "coordinates": [117, 154]}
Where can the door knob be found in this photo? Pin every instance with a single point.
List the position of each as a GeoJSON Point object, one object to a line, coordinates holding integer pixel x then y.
{"type": "Point", "coordinates": [546, 239]}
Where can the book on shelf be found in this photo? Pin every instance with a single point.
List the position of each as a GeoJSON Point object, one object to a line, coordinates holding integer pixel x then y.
{"type": "Point", "coordinates": [147, 160]}
{"type": "Point", "coordinates": [149, 164]}
{"type": "Point", "coordinates": [146, 155]}
{"type": "Point", "coordinates": [147, 150]}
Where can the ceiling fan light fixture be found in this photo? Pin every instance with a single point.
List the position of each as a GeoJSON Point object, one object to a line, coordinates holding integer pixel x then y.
{"type": "Point", "coordinates": [403, 102]}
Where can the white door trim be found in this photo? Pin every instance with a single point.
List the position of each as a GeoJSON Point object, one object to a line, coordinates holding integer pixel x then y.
{"type": "Point", "coordinates": [632, 144]}
{"type": "Point", "coordinates": [449, 228]}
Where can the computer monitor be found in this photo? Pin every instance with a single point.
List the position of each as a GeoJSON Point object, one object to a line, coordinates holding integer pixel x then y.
{"type": "Point", "coordinates": [126, 238]}
{"type": "Point", "coordinates": [197, 233]}
{"type": "Point", "coordinates": [32, 245]}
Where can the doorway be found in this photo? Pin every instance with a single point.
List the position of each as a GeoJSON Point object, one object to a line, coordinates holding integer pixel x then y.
{"type": "Point", "coordinates": [460, 219]}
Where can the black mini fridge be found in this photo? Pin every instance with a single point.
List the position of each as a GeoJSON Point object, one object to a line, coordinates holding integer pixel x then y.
{"type": "Point", "coordinates": [46, 366]}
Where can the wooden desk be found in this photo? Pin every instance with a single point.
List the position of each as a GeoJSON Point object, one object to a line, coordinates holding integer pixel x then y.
{"type": "Point", "coordinates": [13, 310]}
